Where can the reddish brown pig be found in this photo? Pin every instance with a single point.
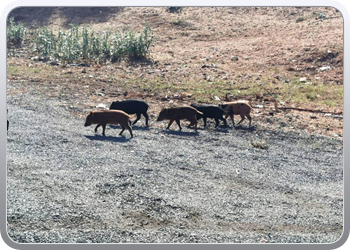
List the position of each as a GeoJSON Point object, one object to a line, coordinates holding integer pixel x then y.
{"type": "Point", "coordinates": [180, 113]}
{"type": "Point", "coordinates": [241, 108]}
{"type": "Point", "coordinates": [101, 118]}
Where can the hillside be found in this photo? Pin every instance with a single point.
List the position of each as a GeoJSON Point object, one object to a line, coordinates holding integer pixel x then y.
{"type": "Point", "coordinates": [292, 55]}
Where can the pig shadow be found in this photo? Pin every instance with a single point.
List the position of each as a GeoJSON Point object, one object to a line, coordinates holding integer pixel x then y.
{"type": "Point", "coordinates": [144, 128]}
{"type": "Point", "coordinates": [181, 133]}
{"type": "Point", "coordinates": [248, 129]}
{"type": "Point", "coordinates": [96, 137]}
{"type": "Point", "coordinates": [219, 129]}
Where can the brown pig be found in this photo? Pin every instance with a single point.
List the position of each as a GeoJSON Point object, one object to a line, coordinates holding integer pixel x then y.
{"type": "Point", "coordinates": [101, 118]}
{"type": "Point", "coordinates": [180, 113]}
{"type": "Point", "coordinates": [241, 108]}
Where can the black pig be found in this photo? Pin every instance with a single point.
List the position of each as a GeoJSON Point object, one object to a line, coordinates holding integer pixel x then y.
{"type": "Point", "coordinates": [137, 107]}
{"type": "Point", "coordinates": [210, 111]}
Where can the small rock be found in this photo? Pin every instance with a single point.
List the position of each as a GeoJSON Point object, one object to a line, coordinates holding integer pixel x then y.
{"type": "Point", "coordinates": [100, 94]}
{"type": "Point", "coordinates": [321, 16]}
{"type": "Point", "coordinates": [259, 106]}
{"type": "Point", "coordinates": [234, 58]}
{"type": "Point", "coordinates": [216, 98]}
{"type": "Point", "coordinates": [324, 68]}
{"type": "Point", "coordinates": [302, 79]}
{"type": "Point", "coordinates": [35, 58]}
{"type": "Point", "coordinates": [83, 71]}
{"type": "Point", "coordinates": [313, 117]}
{"type": "Point", "coordinates": [338, 116]}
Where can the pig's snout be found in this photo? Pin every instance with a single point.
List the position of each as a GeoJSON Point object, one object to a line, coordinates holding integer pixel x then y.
{"type": "Point", "coordinates": [87, 124]}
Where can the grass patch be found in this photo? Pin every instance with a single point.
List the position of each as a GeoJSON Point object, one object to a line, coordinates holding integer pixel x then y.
{"type": "Point", "coordinates": [319, 94]}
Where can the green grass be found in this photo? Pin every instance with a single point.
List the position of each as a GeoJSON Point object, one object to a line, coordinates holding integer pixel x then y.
{"type": "Point", "coordinates": [294, 92]}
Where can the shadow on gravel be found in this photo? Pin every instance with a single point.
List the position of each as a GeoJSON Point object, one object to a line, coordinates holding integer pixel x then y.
{"type": "Point", "coordinates": [219, 130]}
{"type": "Point", "coordinates": [173, 132]}
{"type": "Point", "coordinates": [248, 129]}
{"type": "Point", "coordinates": [144, 128]}
{"type": "Point", "coordinates": [108, 138]}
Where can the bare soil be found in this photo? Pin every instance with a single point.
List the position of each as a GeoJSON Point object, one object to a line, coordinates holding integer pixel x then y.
{"type": "Point", "coordinates": [198, 44]}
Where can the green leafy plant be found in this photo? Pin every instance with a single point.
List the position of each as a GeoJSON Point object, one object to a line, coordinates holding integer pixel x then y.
{"type": "Point", "coordinates": [15, 33]}
{"type": "Point", "coordinates": [75, 45]}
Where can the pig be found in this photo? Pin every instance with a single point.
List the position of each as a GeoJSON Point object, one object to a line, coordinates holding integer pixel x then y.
{"type": "Point", "coordinates": [241, 108]}
{"type": "Point", "coordinates": [210, 111]}
{"type": "Point", "coordinates": [137, 107]}
{"type": "Point", "coordinates": [179, 113]}
{"type": "Point", "coordinates": [101, 118]}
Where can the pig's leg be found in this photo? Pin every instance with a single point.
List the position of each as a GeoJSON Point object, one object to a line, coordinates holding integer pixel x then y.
{"type": "Point", "coordinates": [138, 116]}
{"type": "Point", "coordinates": [146, 116]}
{"type": "Point", "coordinates": [233, 121]}
{"type": "Point", "coordinates": [242, 116]}
{"type": "Point", "coordinates": [193, 123]}
{"type": "Point", "coordinates": [123, 128]}
{"type": "Point", "coordinates": [216, 122]}
{"type": "Point", "coordinates": [170, 122]}
{"type": "Point", "coordinates": [130, 130]}
{"type": "Point", "coordinates": [225, 122]}
{"type": "Point", "coordinates": [178, 123]}
{"type": "Point", "coordinates": [205, 121]}
{"type": "Point", "coordinates": [97, 127]}
{"type": "Point", "coordinates": [250, 119]}
{"type": "Point", "coordinates": [104, 129]}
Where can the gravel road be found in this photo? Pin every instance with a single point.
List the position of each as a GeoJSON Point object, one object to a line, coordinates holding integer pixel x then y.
{"type": "Point", "coordinates": [66, 184]}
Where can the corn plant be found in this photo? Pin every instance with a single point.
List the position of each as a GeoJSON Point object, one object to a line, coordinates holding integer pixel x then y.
{"type": "Point", "coordinates": [73, 45]}
{"type": "Point", "coordinates": [15, 33]}
{"type": "Point", "coordinates": [45, 42]}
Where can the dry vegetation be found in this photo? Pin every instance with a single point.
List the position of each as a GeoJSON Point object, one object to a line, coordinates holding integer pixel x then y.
{"type": "Point", "coordinates": [292, 55]}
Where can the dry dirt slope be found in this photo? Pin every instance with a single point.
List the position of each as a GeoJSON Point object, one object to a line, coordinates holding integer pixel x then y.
{"type": "Point", "coordinates": [67, 185]}
{"type": "Point", "coordinates": [201, 53]}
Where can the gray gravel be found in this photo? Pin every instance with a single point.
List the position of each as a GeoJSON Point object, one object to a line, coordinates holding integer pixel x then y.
{"type": "Point", "coordinates": [66, 184]}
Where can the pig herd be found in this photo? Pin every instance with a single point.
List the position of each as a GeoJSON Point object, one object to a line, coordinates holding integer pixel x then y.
{"type": "Point", "coordinates": [119, 114]}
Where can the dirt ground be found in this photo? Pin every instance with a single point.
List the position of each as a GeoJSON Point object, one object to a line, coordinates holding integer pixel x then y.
{"type": "Point", "coordinates": [199, 44]}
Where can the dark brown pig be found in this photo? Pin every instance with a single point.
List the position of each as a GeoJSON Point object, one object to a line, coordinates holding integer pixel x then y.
{"type": "Point", "coordinates": [180, 113]}
{"type": "Point", "coordinates": [101, 118]}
